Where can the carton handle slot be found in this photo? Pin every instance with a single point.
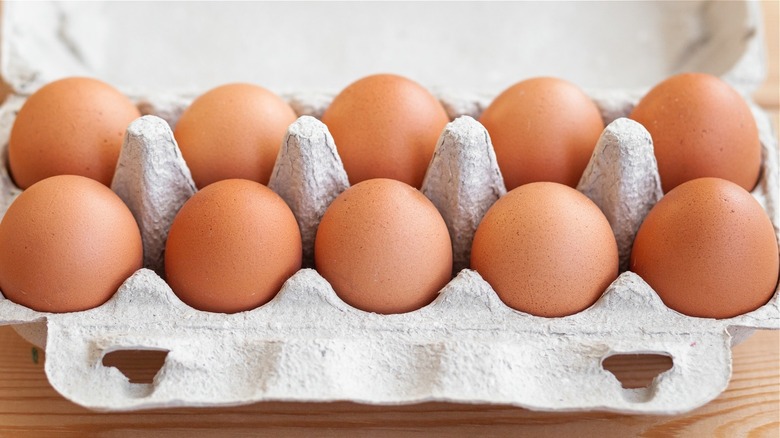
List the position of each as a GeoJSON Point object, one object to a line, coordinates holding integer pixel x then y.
{"type": "Point", "coordinates": [637, 373]}
{"type": "Point", "coordinates": [140, 366]}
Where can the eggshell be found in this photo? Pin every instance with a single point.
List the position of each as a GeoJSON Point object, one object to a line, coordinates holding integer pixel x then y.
{"type": "Point", "coordinates": [708, 249]}
{"type": "Point", "coordinates": [231, 247]}
{"type": "Point", "coordinates": [384, 247]}
{"type": "Point", "coordinates": [68, 242]}
{"type": "Point", "coordinates": [543, 129]}
{"type": "Point", "coordinates": [385, 126]}
{"type": "Point", "coordinates": [701, 127]}
{"type": "Point", "coordinates": [73, 126]}
{"type": "Point", "coordinates": [546, 249]}
{"type": "Point", "coordinates": [233, 131]}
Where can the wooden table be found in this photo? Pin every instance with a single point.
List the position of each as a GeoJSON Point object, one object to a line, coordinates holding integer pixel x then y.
{"type": "Point", "coordinates": [750, 405]}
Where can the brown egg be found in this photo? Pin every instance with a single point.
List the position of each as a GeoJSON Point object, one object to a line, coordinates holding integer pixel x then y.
{"type": "Point", "coordinates": [546, 249]}
{"type": "Point", "coordinates": [231, 247]}
{"type": "Point", "coordinates": [543, 129]}
{"type": "Point", "coordinates": [68, 243]}
{"type": "Point", "coordinates": [384, 247]}
{"type": "Point", "coordinates": [701, 127]}
{"type": "Point", "coordinates": [233, 131]}
{"type": "Point", "coordinates": [73, 126]}
{"type": "Point", "coordinates": [385, 126]}
{"type": "Point", "coordinates": [708, 249]}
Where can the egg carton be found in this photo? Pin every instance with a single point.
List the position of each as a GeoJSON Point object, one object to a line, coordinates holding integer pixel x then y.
{"type": "Point", "coordinates": [308, 345]}
{"type": "Point", "coordinates": [467, 346]}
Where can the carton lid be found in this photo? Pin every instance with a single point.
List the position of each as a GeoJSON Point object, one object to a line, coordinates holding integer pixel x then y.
{"type": "Point", "coordinates": [188, 47]}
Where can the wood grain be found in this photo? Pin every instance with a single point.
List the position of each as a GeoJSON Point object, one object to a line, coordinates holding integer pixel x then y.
{"type": "Point", "coordinates": [768, 95]}
{"type": "Point", "coordinates": [750, 407]}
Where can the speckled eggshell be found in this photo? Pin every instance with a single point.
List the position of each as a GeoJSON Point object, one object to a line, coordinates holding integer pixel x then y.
{"type": "Point", "coordinates": [233, 131]}
{"type": "Point", "coordinates": [384, 247]}
{"type": "Point", "coordinates": [546, 249]}
{"type": "Point", "coordinates": [231, 247]}
{"type": "Point", "coordinates": [701, 127]}
{"type": "Point", "coordinates": [385, 126]}
{"type": "Point", "coordinates": [66, 244]}
{"type": "Point", "coordinates": [73, 126]}
{"type": "Point", "coordinates": [543, 129]}
{"type": "Point", "coordinates": [708, 249]}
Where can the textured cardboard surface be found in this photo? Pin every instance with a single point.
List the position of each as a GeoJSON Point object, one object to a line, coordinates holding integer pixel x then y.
{"type": "Point", "coordinates": [452, 47]}
{"type": "Point", "coordinates": [308, 175]}
{"type": "Point", "coordinates": [153, 180]}
{"type": "Point", "coordinates": [466, 346]}
{"type": "Point", "coordinates": [622, 179]}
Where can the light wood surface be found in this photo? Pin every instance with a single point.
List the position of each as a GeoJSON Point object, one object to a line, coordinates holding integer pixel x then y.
{"type": "Point", "coordinates": [29, 407]}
